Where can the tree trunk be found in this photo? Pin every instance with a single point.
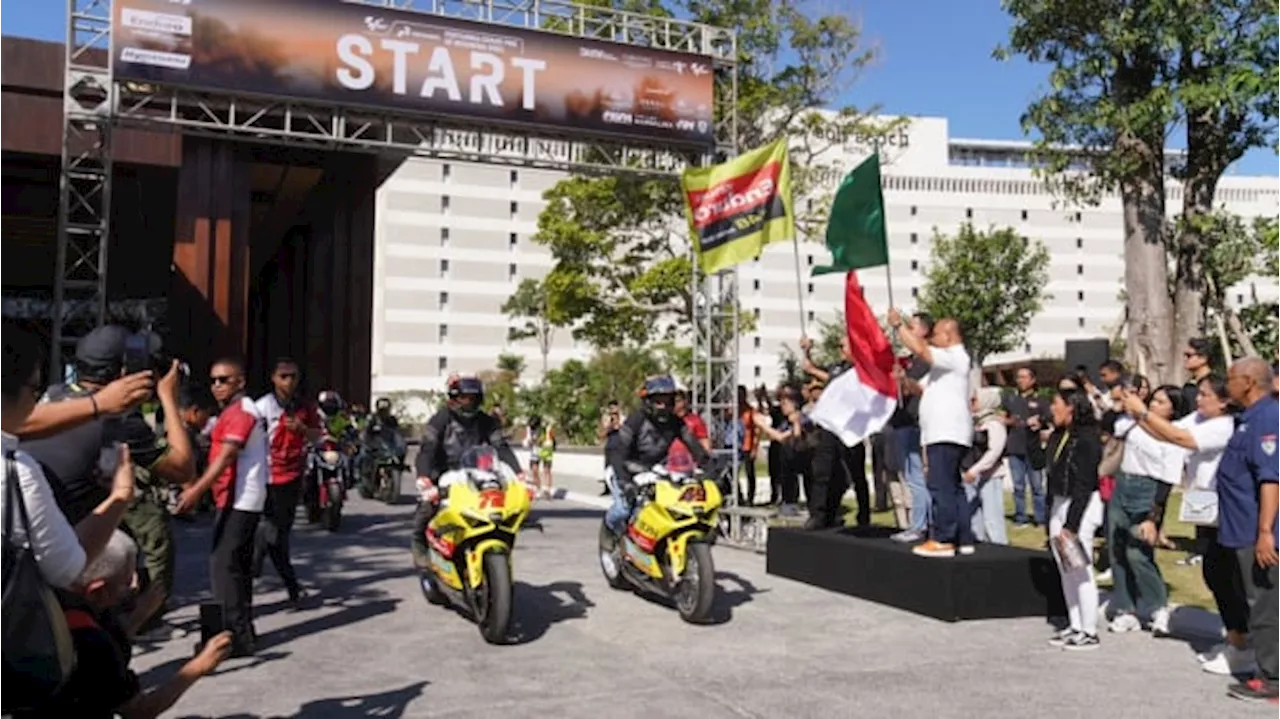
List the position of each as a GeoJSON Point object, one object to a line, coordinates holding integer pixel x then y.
{"type": "Point", "coordinates": [1242, 336]}
{"type": "Point", "coordinates": [1146, 273]}
{"type": "Point", "coordinates": [1189, 249]}
{"type": "Point", "coordinates": [1222, 339]}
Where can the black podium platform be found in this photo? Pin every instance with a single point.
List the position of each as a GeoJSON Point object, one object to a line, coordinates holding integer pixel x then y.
{"type": "Point", "coordinates": [994, 582]}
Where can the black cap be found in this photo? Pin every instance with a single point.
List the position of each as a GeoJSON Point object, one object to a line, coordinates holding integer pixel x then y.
{"type": "Point", "coordinates": [100, 354]}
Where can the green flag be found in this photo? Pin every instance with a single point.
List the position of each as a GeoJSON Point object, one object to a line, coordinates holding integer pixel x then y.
{"type": "Point", "coordinates": [855, 230]}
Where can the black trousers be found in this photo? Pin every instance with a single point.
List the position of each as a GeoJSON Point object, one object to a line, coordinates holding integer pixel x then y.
{"type": "Point", "coordinates": [1222, 576]}
{"type": "Point", "coordinates": [1264, 613]}
{"type": "Point", "coordinates": [855, 462]}
{"type": "Point", "coordinates": [748, 465]}
{"type": "Point", "coordinates": [775, 472]}
{"type": "Point", "coordinates": [272, 537]}
{"type": "Point", "coordinates": [829, 477]}
{"type": "Point", "coordinates": [231, 569]}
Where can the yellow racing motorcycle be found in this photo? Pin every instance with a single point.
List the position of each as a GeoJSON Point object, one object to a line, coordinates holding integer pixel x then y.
{"type": "Point", "coordinates": [666, 548]}
{"type": "Point", "coordinates": [471, 537]}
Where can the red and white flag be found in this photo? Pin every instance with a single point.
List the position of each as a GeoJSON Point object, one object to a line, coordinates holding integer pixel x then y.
{"type": "Point", "coordinates": [859, 402]}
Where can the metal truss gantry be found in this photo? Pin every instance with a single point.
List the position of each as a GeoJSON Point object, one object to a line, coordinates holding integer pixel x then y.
{"type": "Point", "coordinates": [84, 183]}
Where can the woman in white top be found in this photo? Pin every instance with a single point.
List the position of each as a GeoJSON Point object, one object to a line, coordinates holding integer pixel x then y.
{"type": "Point", "coordinates": [1148, 472]}
{"type": "Point", "coordinates": [1205, 434]}
{"type": "Point", "coordinates": [60, 551]}
{"type": "Point", "coordinates": [984, 480]}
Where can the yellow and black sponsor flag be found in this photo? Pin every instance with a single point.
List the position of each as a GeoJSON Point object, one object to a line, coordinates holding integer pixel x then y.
{"type": "Point", "coordinates": [738, 207]}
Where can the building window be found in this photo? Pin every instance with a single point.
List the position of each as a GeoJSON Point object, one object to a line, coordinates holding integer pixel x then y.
{"type": "Point", "coordinates": [1080, 295]}
{"type": "Point", "coordinates": [913, 210]}
{"type": "Point", "coordinates": [513, 240]}
{"type": "Point", "coordinates": [1079, 217]}
{"type": "Point", "coordinates": [810, 315]}
{"type": "Point", "coordinates": [915, 238]}
{"type": "Point", "coordinates": [444, 236]}
{"type": "Point", "coordinates": [444, 268]}
{"type": "Point", "coordinates": [1027, 348]}
{"type": "Point", "coordinates": [755, 285]}
{"type": "Point", "coordinates": [1240, 299]}
{"type": "Point", "coordinates": [915, 291]}
{"type": "Point", "coordinates": [515, 208]}
{"type": "Point", "coordinates": [1079, 243]}
{"type": "Point", "coordinates": [443, 365]}
{"type": "Point", "coordinates": [444, 203]}
{"type": "Point", "coordinates": [757, 343]}
{"type": "Point", "coordinates": [444, 300]}
{"type": "Point", "coordinates": [1080, 321]}
{"type": "Point", "coordinates": [810, 288]}
{"type": "Point", "coordinates": [1079, 269]}
{"type": "Point", "coordinates": [445, 171]}
{"type": "Point", "coordinates": [756, 313]}
{"type": "Point", "coordinates": [515, 177]}
{"type": "Point", "coordinates": [1024, 215]}
{"type": "Point", "coordinates": [512, 271]}
{"type": "Point", "coordinates": [968, 213]}
{"type": "Point", "coordinates": [757, 371]}
{"type": "Point", "coordinates": [915, 264]}
{"type": "Point", "coordinates": [810, 260]}
{"type": "Point", "coordinates": [444, 332]}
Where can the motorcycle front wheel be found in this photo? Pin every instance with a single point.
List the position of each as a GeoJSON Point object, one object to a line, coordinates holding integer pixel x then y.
{"type": "Point", "coordinates": [495, 600]}
{"type": "Point", "coordinates": [696, 592]}
{"type": "Point", "coordinates": [610, 558]}
{"type": "Point", "coordinates": [333, 512]}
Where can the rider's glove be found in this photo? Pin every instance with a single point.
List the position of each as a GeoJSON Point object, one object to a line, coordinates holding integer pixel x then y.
{"type": "Point", "coordinates": [630, 491]}
{"type": "Point", "coordinates": [427, 489]}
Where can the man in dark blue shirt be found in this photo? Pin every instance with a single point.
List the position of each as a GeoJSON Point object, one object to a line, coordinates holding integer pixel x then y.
{"type": "Point", "coordinates": [1247, 503]}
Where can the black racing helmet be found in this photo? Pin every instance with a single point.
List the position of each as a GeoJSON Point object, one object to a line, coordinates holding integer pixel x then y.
{"type": "Point", "coordinates": [382, 406]}
{"type": "Point", "coordinates": [466, 395]}
{"type": "Point", "coordinates": [659, 395]}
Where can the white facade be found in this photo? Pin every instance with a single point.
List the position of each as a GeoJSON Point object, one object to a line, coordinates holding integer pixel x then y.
{"type": "Point", "coordinates": [454, 240]}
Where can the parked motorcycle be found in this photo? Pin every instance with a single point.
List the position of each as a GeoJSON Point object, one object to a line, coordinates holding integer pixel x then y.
{"type": "Point", "coordinates": [666, 547]}
{"type": "Point", "coordinates": [471, 538]}
{"type": "Point", "coordinates": [327, 470]}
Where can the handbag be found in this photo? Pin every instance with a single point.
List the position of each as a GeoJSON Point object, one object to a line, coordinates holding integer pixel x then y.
{"type": "Point", "coordinates": [1199, 507]}
{"type": "Point", "coordinates": [38, 653]}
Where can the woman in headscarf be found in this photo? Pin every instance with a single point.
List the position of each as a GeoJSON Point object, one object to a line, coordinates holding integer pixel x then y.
{"type": "Point", "coordinates": [984, 479]}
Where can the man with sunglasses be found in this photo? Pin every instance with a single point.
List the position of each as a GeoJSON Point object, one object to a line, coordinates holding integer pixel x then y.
{"type": "Point", "coordinates": [291, 423]}
{"type": "Point", "coordinates": [237, 474]}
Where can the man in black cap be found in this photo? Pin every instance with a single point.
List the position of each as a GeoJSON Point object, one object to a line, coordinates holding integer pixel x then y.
{"type": "Point", "coordinates": [71, 459]}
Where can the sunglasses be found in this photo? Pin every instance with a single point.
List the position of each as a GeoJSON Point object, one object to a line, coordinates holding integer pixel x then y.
{"type": "Point", "coordinates": [216, 380]}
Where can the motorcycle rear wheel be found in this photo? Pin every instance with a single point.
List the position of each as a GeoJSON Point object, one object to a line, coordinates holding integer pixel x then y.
{"type": "Point", "coordinates": [494, 614]}
{"type": "Point", "coordinates": [696, 592]}
{"type": "Point", "coordinates": [333, 512]}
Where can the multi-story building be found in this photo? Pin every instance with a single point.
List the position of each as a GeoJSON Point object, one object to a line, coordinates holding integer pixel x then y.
{"type": "Point", "coordinates": [454, 240]}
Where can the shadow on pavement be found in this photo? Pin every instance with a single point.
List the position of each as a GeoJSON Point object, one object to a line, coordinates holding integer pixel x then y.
{"type": "Point", "coordinates": [348, 614]}
{"type": "Point", "coordinates": [537, 608]}
{"type": "Point", "coordinates": [544, 512]}
{"type": "Point", "coordinates": [384, 705]}
{"type": "Point", "coordinates": [729, 599]}
{"type": "Point", "coordinates": [161, 672]}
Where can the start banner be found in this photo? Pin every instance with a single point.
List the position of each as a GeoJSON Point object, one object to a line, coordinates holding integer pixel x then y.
{"type": "Point", "coordinates": [389, 59]}
{"type": "Point", "coordinates": [738, 207]}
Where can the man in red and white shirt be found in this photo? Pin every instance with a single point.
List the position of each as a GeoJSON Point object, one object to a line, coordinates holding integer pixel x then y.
{"type": "Point", "coordinates": [290, 424]}
{"type": "Point", "coordinates": [237, 474]}
{"type": "Point", "coordinates": [691, 419]}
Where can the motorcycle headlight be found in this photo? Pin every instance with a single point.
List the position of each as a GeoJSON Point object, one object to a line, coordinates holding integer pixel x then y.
{"type": "Point", "coordinates": [330, 456]}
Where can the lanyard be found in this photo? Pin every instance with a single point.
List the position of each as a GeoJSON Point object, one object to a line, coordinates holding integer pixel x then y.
{"type": "Point", "coordinates": [1061, 443]}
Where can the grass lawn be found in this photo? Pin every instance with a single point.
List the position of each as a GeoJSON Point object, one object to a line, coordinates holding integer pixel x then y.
{"type": "Point", "coordinates": [1186, 585]}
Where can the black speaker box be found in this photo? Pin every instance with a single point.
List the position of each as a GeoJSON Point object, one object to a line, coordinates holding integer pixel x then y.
{"type": "Point", "coordinates": [1087, 355]}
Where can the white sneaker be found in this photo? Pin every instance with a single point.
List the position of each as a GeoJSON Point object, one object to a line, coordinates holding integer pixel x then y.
{"type": "Point", "coordinates": [1211, 653]}
{"type": "Point", "coordinates": [1160, 622]}
{"type": "Point", "coordinates": [1125, 623]}
{"type": "Point", "coordinates": [967, 549]}
{"type": "Point", "coordinates": [1232, 661]}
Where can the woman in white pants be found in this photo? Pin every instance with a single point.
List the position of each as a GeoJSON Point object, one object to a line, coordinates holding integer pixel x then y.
{"type": "Point", "coordinates": [1073, 452]}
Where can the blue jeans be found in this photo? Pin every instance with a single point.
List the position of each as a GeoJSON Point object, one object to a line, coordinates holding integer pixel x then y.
{"type": "Point", "coordinates": [615, 518]}
{"type": "Point", "coordinates": [907, 441]}
{"type": "Point", "coordinates": [950, 508]}
{"type": "Point", "coordinates": [1024, 475]}
{"type": "Point", "coordinates": [986, 507]}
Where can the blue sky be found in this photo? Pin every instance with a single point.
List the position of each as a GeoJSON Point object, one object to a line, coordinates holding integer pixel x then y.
{"type": "Point", "coordinates": [935, 59]}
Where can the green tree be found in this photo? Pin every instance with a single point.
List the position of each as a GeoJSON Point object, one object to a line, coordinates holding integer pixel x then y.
{"type": "Point", "coordinates": [1237, 251]}
{"type": "Point", "coordinates": [1125, 74]}
{"type": "Point", "coordinates": [991, 281]}
{"type": "Point", "coordinates": [529, 305]}
{"type": "Point", "coordinates": [623, 269]}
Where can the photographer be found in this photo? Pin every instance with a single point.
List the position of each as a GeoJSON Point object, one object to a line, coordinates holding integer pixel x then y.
{"type": "Point", "coordinates": [71, 459]}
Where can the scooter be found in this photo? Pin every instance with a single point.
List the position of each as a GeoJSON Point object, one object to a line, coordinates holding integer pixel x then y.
{"type": "Point", "coordinates": [666, 547]}
{"type": "Point", "coordinates": [470, 540]}
{"type": "Point", "coordinates": [326, 487]}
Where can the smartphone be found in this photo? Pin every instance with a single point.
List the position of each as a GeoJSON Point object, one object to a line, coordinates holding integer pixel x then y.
{"type": "Point", "coordinates": [108, 461]}
{"type": "Point", "coordinates": [212, 622]}
{"type": "Point", "coordinates": [137, 353]}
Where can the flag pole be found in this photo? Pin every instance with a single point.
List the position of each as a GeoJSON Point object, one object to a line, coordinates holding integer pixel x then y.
{"type": "Point", "coordinates": [795, 244]}
{"type": "Point", "coordinates": [888, 281]}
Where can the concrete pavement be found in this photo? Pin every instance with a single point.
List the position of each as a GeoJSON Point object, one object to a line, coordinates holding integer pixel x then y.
{"type": "Point", "coordinates": [374, 647]}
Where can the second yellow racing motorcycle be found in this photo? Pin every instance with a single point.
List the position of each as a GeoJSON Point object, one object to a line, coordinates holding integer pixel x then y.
{"type": "Point", "coordinates": [470, 541]}
{"type": "Point", "coordinates": [666, 547]}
